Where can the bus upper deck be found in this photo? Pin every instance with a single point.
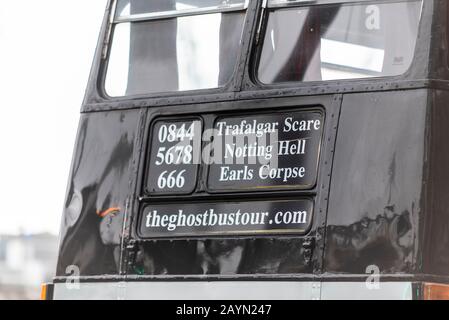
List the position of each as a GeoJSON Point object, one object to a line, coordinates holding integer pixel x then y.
{"type": "Point", "coordinates": [262, 149]}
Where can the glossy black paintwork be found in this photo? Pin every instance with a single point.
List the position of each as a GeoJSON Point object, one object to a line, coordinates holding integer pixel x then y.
{"type": "Point", "coordinates": [434, 249]}
{"type": "Point", "coordinates": [382, 192]}
{"type": "Point", "coordinates": [377, 183]}
{"type": "Point", "coordinates": [101, 174]}
{"type": "Point", "coordinates": [235, 255]}
{"type": "Point", "coordinates": [221, 257]}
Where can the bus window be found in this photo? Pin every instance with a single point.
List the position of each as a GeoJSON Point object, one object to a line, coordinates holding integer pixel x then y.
{"type": "Point", "coordinates": [152, 8]}
{"type": "Point", "coordinates": [334, 42]}
{"type": "Point", "coordinates": [173, 45]}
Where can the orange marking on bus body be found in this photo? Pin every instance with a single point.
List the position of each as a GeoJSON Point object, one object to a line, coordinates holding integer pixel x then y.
{"type": "Point", "coordinates": [107, 212]}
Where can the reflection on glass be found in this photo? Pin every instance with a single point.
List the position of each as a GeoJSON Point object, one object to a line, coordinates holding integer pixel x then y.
{"type": "Point", "coordinates": [185, 53]}
{"type": "Point", "coordinates": [339, 42]}
{"type": "Point", "coordinates": [158, 6]}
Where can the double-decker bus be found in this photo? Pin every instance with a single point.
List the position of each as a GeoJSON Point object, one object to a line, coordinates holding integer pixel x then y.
{"type": "Point", "coordinates": [262, 149]}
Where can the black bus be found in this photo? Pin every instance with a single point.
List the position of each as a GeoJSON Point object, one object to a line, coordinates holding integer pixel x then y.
{"type": "Point", "coordinates": [262, 149]}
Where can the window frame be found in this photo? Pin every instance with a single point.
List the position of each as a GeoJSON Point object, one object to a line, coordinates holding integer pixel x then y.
{"type": "Point", "coordinates": [230, 86]}
{"type": "Point", "coordinates": [285, 4]}
{"type": "Point", "coordinates": [179, 13]}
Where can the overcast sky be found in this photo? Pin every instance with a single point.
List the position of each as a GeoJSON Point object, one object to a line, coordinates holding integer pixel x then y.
{"type": "Point", "coordinates": [46, 50]}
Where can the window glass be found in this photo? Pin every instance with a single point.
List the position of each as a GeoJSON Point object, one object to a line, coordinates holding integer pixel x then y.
{"type": "Point", "coordinates": [338, 41]}
{"type": "Point", "coordinates": [129, 7]}
{"type": "Point", "coordinates": [175, 54]}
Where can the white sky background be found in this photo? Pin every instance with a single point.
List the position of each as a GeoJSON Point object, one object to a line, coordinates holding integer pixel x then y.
{"type": "Point", "coordinates": [46, 51]}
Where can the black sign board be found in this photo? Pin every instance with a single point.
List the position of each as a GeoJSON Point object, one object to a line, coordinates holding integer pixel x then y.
{"type": "Point", "coordinates": [265, 152]}
{"type": "Point", "coordinates": [174, 157]}
{"type": "Point", "coordinates": [233, 218]}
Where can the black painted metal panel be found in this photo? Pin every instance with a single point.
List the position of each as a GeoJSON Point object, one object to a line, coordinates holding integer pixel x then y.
{"type": "Point", "coordinates": [91, 233]}
{"type": "Point", "coordinates": [435, 225]}
{"type": "Point", "coordinates": [386, 205]}
{"type": "Point", "coordinates": [377, 183]}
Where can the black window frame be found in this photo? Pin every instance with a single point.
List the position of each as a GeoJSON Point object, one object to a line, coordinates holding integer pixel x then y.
{"type": "Point", "coordinates": [233, 85]}
{"type": "Point", "coordinates": [252, 75]}
{"type": "Point", "coordinates": [243, 84]}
